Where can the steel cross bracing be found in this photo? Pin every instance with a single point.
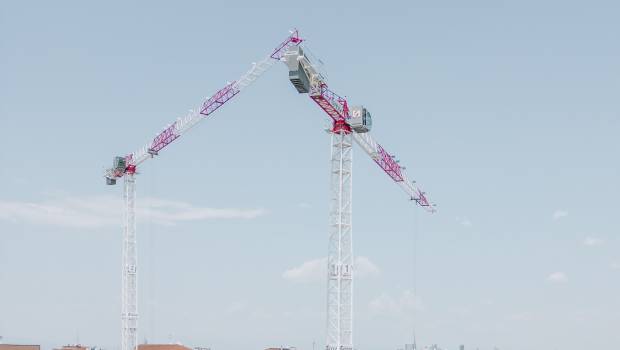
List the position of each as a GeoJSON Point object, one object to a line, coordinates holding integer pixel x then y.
{"type": "Point", "coordinates": [335, 106]}
{"type": "Point", "coordinates": [129, 285]}
{"type": "Point", "coordinates": [340, 249]}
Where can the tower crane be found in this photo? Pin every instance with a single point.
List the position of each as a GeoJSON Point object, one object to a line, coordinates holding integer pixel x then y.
{"type": "Point", "coordinates": [348, 124]}
{"type": "Point", "coordinates": [126, 167]}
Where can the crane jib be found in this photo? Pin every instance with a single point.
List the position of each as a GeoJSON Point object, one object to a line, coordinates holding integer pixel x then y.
{"type": "Point", "coordinates": [180, 126]}
{"type": "Point", "coordinates": [170, 134]}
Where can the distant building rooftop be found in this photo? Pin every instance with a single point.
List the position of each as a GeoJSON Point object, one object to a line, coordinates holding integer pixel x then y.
{"type": "Point", "coordinates": [162, 347]}
{"type": "Point", "coordinates": [74, 347]}
{"type": "Point", "coordinates": [19, 347]}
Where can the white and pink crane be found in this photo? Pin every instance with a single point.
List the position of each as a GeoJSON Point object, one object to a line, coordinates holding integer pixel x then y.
{"type": "Point", "coordinates": [347, 124]}
{"type": "Point", "coordinates": [126, 168]}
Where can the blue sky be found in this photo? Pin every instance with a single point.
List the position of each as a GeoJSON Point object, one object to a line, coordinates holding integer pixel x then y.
{"type": "Point", "coordinates": [506, 113]}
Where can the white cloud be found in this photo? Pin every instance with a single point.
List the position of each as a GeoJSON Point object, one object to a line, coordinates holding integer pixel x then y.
{"type": "Point", "coordinates": [615, 265]}
{"type": "Point", "coordinates": [68, 212]}
{"type": "Point", "coordinates": [309, 271]}
{"type": "Point", "coordinates": [236, 307]}
{"type": "Point", "coordinates": [316, 270]}
{"type": "Point", "coordinates": [102, 211]}
{"type": "Point", "coordinates": [170, 212]}
{"type": "Point", "coordinates": [385, 304]}
{"type": "Point", "coordinates": [557, 277]}
{"type": "Point", "coordinates": [522, 316]}
{"type": "Point", "coordinates": [558, 214]}
{"type": "Point", "coordinates": [487, 302]}
{"type": "Point", "coordinates": [365, 267]}
{"type": "Point", "coordinates": [464, 221]}
{"type": "Point", "coordinates": [592, 241]}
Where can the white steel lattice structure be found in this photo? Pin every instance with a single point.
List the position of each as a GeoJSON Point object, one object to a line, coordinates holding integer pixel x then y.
{"type": "Point", "coordinates": [129, 284]}
{"type": "Point", "coordinates": [340, 250]}
{"type": "Point", "coordinates": [346, 128]}
{"type": "Point", "coordinates": [348, 125]}
{"type": "Point", "coordinates": [126, 167]}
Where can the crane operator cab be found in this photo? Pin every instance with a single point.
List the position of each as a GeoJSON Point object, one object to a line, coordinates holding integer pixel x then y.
{"type": "Point", "coordinates": [118, 168]}
{"type": "Point", "coordinates": [360, 119]}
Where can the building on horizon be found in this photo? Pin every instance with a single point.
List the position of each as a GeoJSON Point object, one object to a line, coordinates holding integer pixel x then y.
{"type": "Point", "coordinates": [74, 347]}
{"type": "Point", "coordinates": [162, 347]}
{"type": "Point", "coordinates": [19, 347]}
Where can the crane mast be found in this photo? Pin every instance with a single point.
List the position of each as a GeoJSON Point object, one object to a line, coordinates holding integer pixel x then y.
{"type": "Point", "coordinates": [340, 246]}
{"type": "Point", "coordinates": [129, 283]}
{"type": "Point", "coordinates": [126, 166]}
